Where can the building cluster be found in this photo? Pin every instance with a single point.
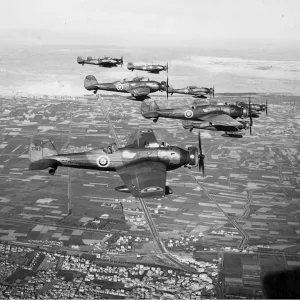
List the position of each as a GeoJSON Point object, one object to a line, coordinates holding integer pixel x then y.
{"type": "Point", "coordinates": [25, 273]}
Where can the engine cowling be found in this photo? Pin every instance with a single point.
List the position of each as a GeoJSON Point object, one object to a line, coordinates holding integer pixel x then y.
{"type": "Point", "coordinates": [244, 125]}
{"type": "Point", "coordinates": [163, 86]}
{"type": "Point", "coordinates": [193, 156]}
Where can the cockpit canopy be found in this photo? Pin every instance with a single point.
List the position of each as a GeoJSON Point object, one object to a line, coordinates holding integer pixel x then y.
{"type": "Point", "coordinates": [110, 149]}
{"type": "Point", "coordinates": [138, 78]}
{"type": "Point", "coordinates": [156, 145]}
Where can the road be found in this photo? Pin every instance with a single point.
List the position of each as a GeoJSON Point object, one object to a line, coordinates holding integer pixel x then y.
{"type": "Point", "coordinates": [147, 214]}
{"type": "Point", "coordinates": [246, 212]}
{"type": "Point", "coordinates": [244, 234]}
{"type": "Point", "coordinates": [69, 174]}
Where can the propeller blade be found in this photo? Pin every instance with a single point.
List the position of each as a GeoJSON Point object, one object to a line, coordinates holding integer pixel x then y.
{"type": "Point", "coordinates": [213, 91]}
{"type": "Point", "coordinates": [167, 81]}
{"type": "Point", "coordinates": [250, 116]}
{"type": "Point", "coordinates": [201, 155]}
{"type": "Point", "coordinates": [266, 107]}
{"type": "Point", "coordinates": [202, 167]}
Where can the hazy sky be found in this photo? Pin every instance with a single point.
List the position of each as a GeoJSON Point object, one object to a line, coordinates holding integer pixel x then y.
{"type": "Point", "coordinates": [137, 21]}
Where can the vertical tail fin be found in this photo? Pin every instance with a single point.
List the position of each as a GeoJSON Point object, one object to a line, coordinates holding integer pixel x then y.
{"type": "Point", "coordinates": [130, 66]}
{"type": "Point", "coordinates": [39, 148]}
{"type": "Point", "coordinates": [90, 82]}
{"type": "Point", "coordinates": [153, 106]}
{"type": "Point", "coordinates": [149, 110]}
{"type": "Point", "coordinates": [80, 59]}
{"type": "Point", "coordinates": [40, 152]}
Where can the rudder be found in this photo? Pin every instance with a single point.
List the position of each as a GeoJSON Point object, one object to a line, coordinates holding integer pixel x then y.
{"type": "Point", "coordinates": [153, 106]}
{"type": "Point", "coordinates": [149, 110]}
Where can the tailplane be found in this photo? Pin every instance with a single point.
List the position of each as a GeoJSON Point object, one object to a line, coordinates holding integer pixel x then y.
{"type": "Point", "coordinates": [40, 152]}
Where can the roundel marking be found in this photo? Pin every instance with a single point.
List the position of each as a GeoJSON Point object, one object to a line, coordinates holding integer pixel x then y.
{"type": "Point", "coordinates": [186, 91]}
{"type": "Point", "coordinates": [152, 189]}
{"type": "Point", "coordinates": [119, 87]}
{"type": "Point", "coordinates": [103, 161]}
{"type": "Point", "coordinates": [188, 114]}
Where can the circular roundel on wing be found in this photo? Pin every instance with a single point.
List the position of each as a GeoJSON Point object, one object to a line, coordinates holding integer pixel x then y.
{"type": "Point", "coordinates": [144, 68]}
{"type": "Point", "coordinates": [188, 114]}
{"type": "Point", "coordinates": [186, 91]}
{"type": "Point", "coordinates": [103, 161]}
{"type": "Point", "coordinates": [119, 87]}
{"type": "Point", "coordinates": [152, 189]}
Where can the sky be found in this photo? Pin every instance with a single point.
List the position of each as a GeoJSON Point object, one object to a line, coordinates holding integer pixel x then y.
{"type": "Point", "coordinates": [155, 22]}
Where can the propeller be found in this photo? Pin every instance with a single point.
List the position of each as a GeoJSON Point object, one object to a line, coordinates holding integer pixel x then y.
{"type": "Point", "coordinates": [121, 60]}
{"type": "Point", "coordinates": [167, 88]}
{"type": "Point", "coordinates": [201, 155]}
{"type": "Point", "coordinates": [266, 107]}
{"type": "Point", "coordinates": [250, 116]}
{"type": "Point", "coordinates": [211, 92]}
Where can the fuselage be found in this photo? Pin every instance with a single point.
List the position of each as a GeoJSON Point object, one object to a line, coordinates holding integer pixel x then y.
{"type": "Point", "coordinates": [99, 159]}
{"type": "Point", "coordinates": [195, 113]}
{"type": "Point", "coordinates": [107, 62]}
{"type": "Point", "coordinates": [191, 91]}
{"type": "Point", "coordinates": [149, 68]}
{"type": "Point", "coordinates": [128, 86]}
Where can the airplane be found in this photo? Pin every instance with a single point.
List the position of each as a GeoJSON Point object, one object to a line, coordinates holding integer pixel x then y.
{"type": "Point", "coordinates": [256, 108]}
{"type": "Point", "coordinates": [151, 68]}
{"type": "Point", "coordinates": [197, 92]}
{"type": "Point", "coordinates": [209, 117]}
{"type": "Point", "coordinates": [142, 163]}
{"type": "Point", "coordinates": [107, 62]}
{"type": "Point", "coordinates": [138, 87]}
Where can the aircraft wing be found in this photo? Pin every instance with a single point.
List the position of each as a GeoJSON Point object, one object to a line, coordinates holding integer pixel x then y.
{"type": "Point", "coordinates": [107, 63]}
{"type": "Point", "coordinates": [140, 138]}
{"type": "Point", "coordinates": [140, 91]}
{"type": "Point", "coordinates": [154, 71]}
{"type": "Point", "coordinates": [198, 93]}
{"type": "Point", "coordinates": [144, 179]}
{"type": "Point", "coordinates": [221, 120]}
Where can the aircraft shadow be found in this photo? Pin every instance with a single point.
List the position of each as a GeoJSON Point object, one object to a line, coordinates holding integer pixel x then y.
{"type": "Point", "coordinates": [282, 285]}
{"type": "Point", "coordinates": [236, 136]}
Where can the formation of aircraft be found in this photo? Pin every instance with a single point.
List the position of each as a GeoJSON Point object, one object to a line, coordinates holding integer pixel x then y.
{"type": "Point", "coordinates": [209, 117]}
{"type": "Point", "coordinates": [151, 68]}
{"type": "Point", "coordinates": [142, 163]}
{"type": "Point", "coordinates": [107, 62]}
{"type": "Point", "coordinates": [138, 87]}
{"type": "Point", "coordinates": [197, 92]}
